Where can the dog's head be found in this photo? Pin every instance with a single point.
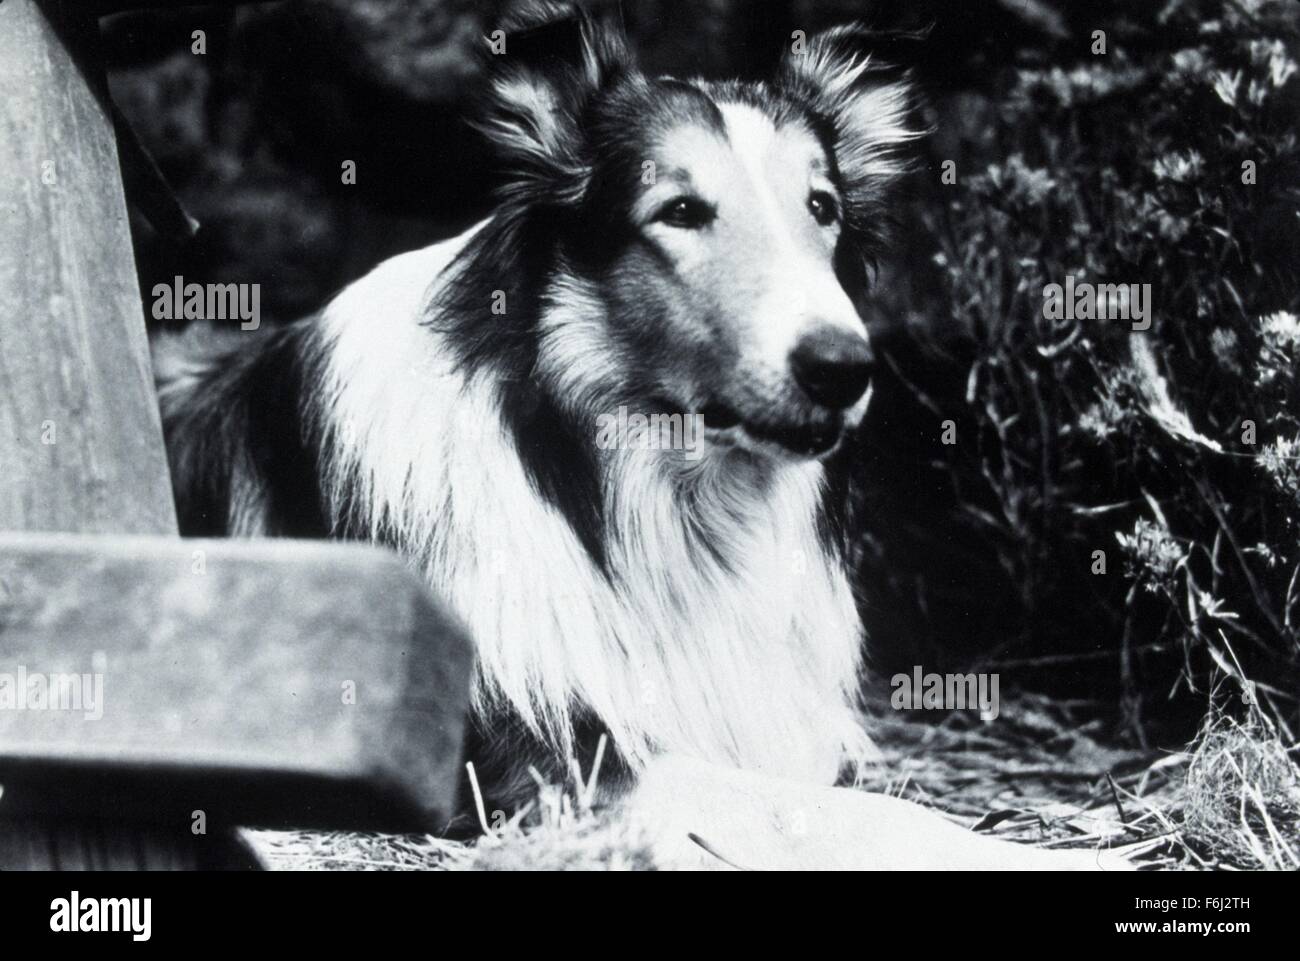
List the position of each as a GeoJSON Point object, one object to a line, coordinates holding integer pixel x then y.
{"type": "Point", "coordinates": [711, 240]}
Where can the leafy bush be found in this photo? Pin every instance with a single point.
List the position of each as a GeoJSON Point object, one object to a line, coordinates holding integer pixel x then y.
{"type": "Point", "coordinates": [1172, 450]}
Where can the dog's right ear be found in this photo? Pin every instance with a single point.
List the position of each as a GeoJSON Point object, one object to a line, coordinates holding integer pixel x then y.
{"type": "Point", "coordinates": [543, 75]}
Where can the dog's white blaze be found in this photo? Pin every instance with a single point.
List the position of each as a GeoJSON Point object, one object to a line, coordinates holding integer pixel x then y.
{"type": "Point", "coordinates": [792, 305]}
{"type": "Point", "coordinates": [723, 632]}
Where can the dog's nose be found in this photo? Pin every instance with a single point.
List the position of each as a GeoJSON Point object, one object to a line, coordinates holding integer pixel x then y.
{"type": "Point", "coordinates": [832, 366]}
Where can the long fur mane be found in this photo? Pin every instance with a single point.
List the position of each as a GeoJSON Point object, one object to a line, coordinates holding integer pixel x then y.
{"type": "Point", "coordinates": [690, 607]}
{"type": "Point", "coordinates": [714, 621]}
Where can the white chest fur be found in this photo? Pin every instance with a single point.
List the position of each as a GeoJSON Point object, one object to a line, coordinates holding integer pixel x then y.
{"type": "Point", "coordinates": [721, 629]}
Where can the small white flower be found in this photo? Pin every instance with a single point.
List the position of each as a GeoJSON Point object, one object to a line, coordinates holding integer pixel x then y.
{"type": "Point", "coordinates": [1273, 53]}
{"type": "Point", "coordinates": [1281, 329]}
{"type": "Point", "coordinates": [1190, 60]}
{"type": "Point", "coordinates": [1178, 167]}
{"type": "Point", "coordinates": [1213, 607]}
{"type": "Point", "coordinates": [1281, 460]}
{"type": "Point", "coordinates": [1153, 547]}
{"type": "Point", "coordinates": [1224, 343]}
{"type": "Point", "coordinates": [1280, 68]}
{"type": "Point", "coordinates": [1226, 84]}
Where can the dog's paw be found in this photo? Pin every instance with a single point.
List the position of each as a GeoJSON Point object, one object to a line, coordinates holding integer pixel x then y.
{"type": "Point", "coordinates": [695, 815]}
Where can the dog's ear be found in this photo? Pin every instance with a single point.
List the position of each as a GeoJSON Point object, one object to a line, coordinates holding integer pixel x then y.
{"type": "Point", "coordinates": [868, 107]}
{"type": "Point", "coordinates": [543, 75]}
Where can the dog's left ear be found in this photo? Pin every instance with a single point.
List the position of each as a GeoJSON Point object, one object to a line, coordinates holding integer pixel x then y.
{"type": "Point", "coordinates": [868, 107]}
{"type": "Point", "coordinates": [543, 75]}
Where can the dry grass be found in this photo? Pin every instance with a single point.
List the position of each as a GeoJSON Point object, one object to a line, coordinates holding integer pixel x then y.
{"type": "Point", "coordinates": [1242, 796]}
{"type": "Point", "coordinates": [1039, 775]}
{"type": "Point", "coordinates": [559, 830]}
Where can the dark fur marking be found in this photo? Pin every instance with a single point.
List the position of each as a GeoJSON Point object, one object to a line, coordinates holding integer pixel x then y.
{"type": "Point", "coordinates": [249, 414]}
{"type": "Point", "coordinates": [515, 256]}
{"type": "Point", "coordinates": [560, 462]}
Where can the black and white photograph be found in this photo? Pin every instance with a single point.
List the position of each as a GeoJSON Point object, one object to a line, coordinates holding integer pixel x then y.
{"type": "Point", "coordinates": [808, 435]}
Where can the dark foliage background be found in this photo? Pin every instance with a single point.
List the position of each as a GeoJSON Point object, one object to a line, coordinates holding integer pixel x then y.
{"type": "Point", "coordinates": [1072, 436]}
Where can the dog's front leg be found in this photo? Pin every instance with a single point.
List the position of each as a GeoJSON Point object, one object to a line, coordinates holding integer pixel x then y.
{"type": "Point", "coordinates": [698, 815]}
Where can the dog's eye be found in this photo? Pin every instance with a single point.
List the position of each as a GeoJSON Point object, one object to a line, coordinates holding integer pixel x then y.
{"type": "Point", "coordinates": [687, 213]}
{"type": "Point", "coordinates": [823, 207]}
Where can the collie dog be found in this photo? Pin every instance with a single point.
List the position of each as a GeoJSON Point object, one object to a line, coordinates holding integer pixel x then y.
{"type": "Point", "coordinates": [663, 251]}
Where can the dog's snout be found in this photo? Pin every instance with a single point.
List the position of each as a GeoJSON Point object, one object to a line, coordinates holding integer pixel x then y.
{"type": "Point", "coordinates": [832, 366]}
